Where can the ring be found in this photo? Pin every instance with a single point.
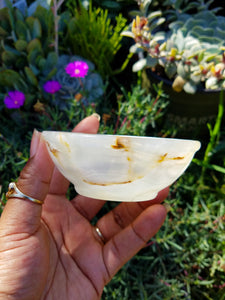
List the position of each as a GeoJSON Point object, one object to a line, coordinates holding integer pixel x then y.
{"type": "Point", "coordinates": [100, 235]}
{"type": "Point", "coordinates": [14, 192]}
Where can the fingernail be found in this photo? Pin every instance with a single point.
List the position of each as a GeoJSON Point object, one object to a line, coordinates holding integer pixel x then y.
{"type": "Point", "coordinates": [97, 116]}
{"type": "Point", "coordinates": [34, 142]}
{"type": "Point", "coordinates": [167, 207]}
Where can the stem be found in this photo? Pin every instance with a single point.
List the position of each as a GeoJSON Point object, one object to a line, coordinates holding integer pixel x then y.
{"type": "Point", "coordinates": [56, 6]}
{"type": "Point", "coordinates": [214, 137]}
{"type": "Point", "coordinates": [59, 4]}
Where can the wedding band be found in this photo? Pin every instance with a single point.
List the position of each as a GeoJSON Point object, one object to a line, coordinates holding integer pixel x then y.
{"type": "Point", "coordinates": [14, 192]}
{"type": "Point", "coordinates": [100, 235]}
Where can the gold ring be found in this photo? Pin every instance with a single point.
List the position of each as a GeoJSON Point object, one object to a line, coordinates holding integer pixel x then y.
{"type": "Point", "coordinates": [14, 192]}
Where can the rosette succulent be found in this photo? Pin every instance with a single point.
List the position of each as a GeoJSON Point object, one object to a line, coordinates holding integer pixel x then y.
{"type": "Point", "coordinates": [191, 53]}
{"type": "Point", "coordinates": [90, 88]}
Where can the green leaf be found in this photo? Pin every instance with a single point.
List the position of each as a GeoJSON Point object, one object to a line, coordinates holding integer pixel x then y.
{"type": "Point", "coordinates": [20, 45]}
{"type": "Point", "coordinates": [19, 15]}
{"type": "Point", "coordinates": [33, 7]}
{"type": "Point", "coordinates": [211, 40]}
{"type": "Point", "coordinates": [21, 30]}
{"type": "Point", "coordinates": [156, 23]}
{"type": "Point", "coordinates": [128, 34]}
{"type": "Point", "coordinates": [3, 32]}
{"type": "Point", "coordinates": [221, 33]}
{"type": "Point", "coordinates": [36, 69]}
{"type": "Point", "coordinates": [9, 78]}
{"type": "Point", "coordinates": [32, 79]}
{"type": "Point", "coordinates": [48, 65]}
{"type": "Point", "coordinates": [21, 62]}
{"type": "Point", "coordinates": [52, 60]}
{"type": "Point", "coordinates": [72, 26]}
{"type": "Point", "coordinates": [34, 45]}
{"type": "Point", "coordinates": [9, 4]}
{"type": "Point", "coordinates": [8, 58]}
{"type": "Point", "coordinates": [4, 17]}
{"type": "Point", "coordinates": [151, 61]}
{"type": "Point", "coordinates": [181, 70]}
{"type": "Point", "coordinates": [154, 15]}
{"type": "Point", "coordinates": [11, 49]}
{"type": "Point", "coordinates": [64, 21]}
{"type": "Point", "coordinates": [201, 55]}
{"type": "Point", "coordinates": [209, 166]}
{"type": "Point", "coordinates": [111, 5]}
{"type": "Point", "coordinates": [10, 14]}
{"type": "Point", "coordinates": [45, 18]}
{"type": "Point", "coordinates": [51, 74]}
{"type": "Point", "coordinates": [171, 70]}
{"type": "Point", "coordinates": [209, 57]}
{"type": "Point", "coordinates": [41, 64]}
{"type": "Point", "coordinates": [34, 27]}
{"type": "Point", "coordinates": [37, 31]}
{"type": "Point", "coordinates": [34, 56]}
{"type": "Point", "coordinates": [201, 31]}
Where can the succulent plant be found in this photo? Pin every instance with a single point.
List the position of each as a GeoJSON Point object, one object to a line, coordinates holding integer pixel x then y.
{"type": "Point", "coordinates": [27, 57]}
{"type": "Point", "coordinates": [191, 52]}
{"type": "Point", "coordinates": [23, 6]}
{"type": "Point", "coordinates": [88, 89]}
{"type": "Point", "coordinates": [176, 8]}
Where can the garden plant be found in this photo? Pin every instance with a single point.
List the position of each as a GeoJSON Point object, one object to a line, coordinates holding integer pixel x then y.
{"type": "Point", "coordinates": [51, 78]}
{"type": "Point", "coordinates": [189, 50]}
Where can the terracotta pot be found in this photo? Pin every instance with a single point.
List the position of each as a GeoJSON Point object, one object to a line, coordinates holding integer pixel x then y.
{"type": "Point", "coordinates": [189, 113]}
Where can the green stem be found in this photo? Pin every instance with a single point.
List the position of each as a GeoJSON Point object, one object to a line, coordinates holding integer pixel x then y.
{"type": "Point", "coordinates": [56, 6]}
{"type": "Point", "coordinates": [214, 137]}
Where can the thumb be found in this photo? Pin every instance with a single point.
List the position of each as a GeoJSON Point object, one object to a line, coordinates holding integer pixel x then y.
{"type": "Point", "coordinates": [20, 215]}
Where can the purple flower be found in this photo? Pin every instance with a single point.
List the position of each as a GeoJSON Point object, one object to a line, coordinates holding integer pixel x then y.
{"type": "Point", "coordinates": [77, 69]}
{"type": "Point", "coordinates": [15, 99]}
{"type": "Point", "coordinates": [52, 86]}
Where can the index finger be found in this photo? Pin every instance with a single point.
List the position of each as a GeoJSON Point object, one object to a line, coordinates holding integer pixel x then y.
{"type": "Point", "coordinates": [59, 184]}
{"type": "Point", "coordinates": [124, 214]}
{"type": "Point", "coordinates": [126, 243]}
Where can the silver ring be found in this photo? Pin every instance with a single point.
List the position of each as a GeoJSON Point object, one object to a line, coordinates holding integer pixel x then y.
{"type": "Point", "coordinates": [100, 235]}
{"type": "Point", "coordinates": [14, 192]}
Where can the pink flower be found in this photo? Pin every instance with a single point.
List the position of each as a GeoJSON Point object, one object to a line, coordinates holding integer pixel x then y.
{"type": "Point", "coordinates": [52, 86]}
{"type": "Point", "coordinates": [15, 99]}
{"type": "Point", "coordinates": [77, 69]}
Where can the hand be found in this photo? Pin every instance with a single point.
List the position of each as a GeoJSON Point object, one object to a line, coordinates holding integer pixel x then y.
{"type": "Point", "coordinates": [52, 251]}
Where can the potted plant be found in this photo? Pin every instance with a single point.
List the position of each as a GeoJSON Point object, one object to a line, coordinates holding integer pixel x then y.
{"type": "Point", "coordinates": [189, 57]}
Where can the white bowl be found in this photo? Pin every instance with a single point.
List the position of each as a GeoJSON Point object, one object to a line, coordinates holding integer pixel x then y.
{"type": "Point", "coordinates": [116, 167]}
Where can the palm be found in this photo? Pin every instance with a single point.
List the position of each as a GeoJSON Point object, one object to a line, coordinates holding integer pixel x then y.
{"type": "Point", "coordinates": [75, 254]}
